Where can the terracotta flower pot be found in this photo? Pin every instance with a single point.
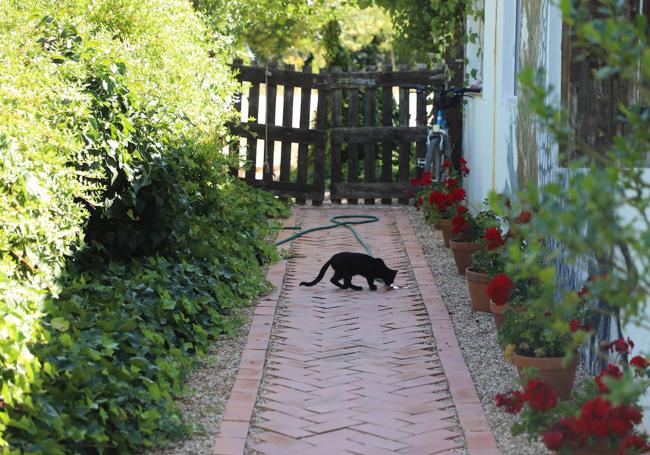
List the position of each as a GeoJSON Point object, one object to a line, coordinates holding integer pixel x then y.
{"type": "Point", "coordinates": [445, 227]}
{"type": "Point", "coordinates": [551, 370]}
{"type": "Point", "coordinates": [498, 311]}
{"type": "Point", "coordinates": [462, 252]}
{"type": "Point", "coordinates": [477, 284]}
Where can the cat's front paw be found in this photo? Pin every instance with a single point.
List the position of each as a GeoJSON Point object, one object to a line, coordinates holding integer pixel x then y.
{"type": "Point", "coordinates": [373, 288]}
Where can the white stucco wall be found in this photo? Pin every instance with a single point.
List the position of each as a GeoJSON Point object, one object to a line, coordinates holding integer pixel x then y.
{"type": "Point", "coordinates": [489, 136]}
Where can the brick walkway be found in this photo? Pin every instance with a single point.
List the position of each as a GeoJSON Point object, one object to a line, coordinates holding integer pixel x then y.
{"type": "Point", "coordinates": [335, 371]}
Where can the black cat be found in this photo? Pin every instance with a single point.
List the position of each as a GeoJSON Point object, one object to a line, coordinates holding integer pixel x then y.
{"type": "Point", "coordinates": [346, 265]}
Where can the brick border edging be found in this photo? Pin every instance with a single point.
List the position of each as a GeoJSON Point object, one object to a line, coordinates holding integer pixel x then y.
{"type": "Point", "coordinates": [233, 432]}
{"type": "Point", "coordinates": [478, 435]}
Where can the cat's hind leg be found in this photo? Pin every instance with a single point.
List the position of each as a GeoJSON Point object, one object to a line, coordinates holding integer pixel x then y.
{"type": "Point", "coordinates": [335, 280]}
{"type": "Point", "coordinates": [348, 284]}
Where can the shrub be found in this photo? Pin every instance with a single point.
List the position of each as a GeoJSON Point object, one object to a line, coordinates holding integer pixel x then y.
{"type": "Point", "coordinates": [125, 246]}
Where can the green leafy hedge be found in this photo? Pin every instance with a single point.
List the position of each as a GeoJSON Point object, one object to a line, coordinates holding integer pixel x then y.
{"type": "Point", "coordinates": [124, 244]}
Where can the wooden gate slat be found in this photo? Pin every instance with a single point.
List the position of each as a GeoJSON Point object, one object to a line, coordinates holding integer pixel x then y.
{"type": "Point", "coordinates": [269, 145]}
{"type": "Point", "coordinates": [287, 121]}
{"type": "Point", "coordinates": [369, 113]}
{"type": "Point", "coordinates": [319, 149]}
{"type": "Point", "coordinates": [303, 148]}
{"type": "Point", "coordinates": [353, 149]}
{"type": "Point", "coordinates": [253, 118]}
{"type": "Point", "coordinates": [335, 149]}
{"type": "Point", "coordinates": [404, 147]}
{"type": "Point", "coordinates": [387, 146]}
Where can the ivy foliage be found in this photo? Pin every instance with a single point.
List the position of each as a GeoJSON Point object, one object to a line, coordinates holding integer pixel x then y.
{"type": "Point", "coordinates": [125, 246]}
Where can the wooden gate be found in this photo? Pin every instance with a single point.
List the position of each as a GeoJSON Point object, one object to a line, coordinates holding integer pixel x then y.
{"type": "Point", "coordinates": [354, 131]}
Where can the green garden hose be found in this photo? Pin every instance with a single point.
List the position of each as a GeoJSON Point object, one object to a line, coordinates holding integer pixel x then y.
{"type": "Point", "coordinates": [362, 219]}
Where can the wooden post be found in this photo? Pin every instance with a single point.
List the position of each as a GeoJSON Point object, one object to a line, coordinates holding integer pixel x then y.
{"type": "Point", "coordinates": [353, 149]}
{"type": "Point", "coordinates": [253, 117]}
{"type": "Point", "coordinates": [387, 147]}
{"type": "Point", "coordinates": [287, 121]}
{"type": "Point", "coordinates": [319, 149]}
{"type": "Point", "coordinates": [370, 150]}
{"type": "Point", "coordinates": [421, 120]}
{"type": "Point", "coordinates": [404, 147]}
{"type": "Point", "coordinates": [269, 148]}
{"type": "Point", "coordinates": [303, 149]}
{"type": "Point", "coordinates": [337, 121]}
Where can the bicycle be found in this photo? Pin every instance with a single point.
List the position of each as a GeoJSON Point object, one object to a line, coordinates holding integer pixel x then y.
{"type": "Point", "coordinates": [438, 131]}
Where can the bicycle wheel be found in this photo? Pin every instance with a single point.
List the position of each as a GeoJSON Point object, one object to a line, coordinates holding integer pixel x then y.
{"type": "Point", "coordinates": [431, 163]}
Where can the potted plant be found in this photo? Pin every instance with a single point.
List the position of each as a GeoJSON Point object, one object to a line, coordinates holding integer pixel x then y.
{"type": "Point", "coordinates": [466, 231]}
{"type": "Point", "coordinates": [445, 203]}
{"type": "Point", "coordinates": [487, 262]}
{"type": "Point", "coordinates": [421, 187]}
{"type": "Point", "coordinates": [444, 197]}
{"type": "Point", "coordinates": [533, 336]}
{"type": "Point", "coordinates": [601, 418]}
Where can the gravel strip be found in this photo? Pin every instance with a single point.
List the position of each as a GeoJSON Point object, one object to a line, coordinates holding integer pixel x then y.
{"type": "Point", "coordinates": [477, 337]}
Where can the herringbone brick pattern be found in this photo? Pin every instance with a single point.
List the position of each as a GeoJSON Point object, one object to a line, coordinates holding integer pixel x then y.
{"type": "Point", "coordinates": [352, 371]}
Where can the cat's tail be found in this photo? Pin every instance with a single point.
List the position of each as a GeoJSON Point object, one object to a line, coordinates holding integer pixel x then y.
{"type": "Point", "coordinates": [319, 277]}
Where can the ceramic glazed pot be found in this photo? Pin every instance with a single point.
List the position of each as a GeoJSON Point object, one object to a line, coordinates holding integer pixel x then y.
{"type": "Point", "coordinates": [552, 371]}
{"type": "Point", "coordinates": [477, 284]}
{"type": "Point", "coordinates": [462, 252]}
{"type": "Point", "coordinates": [445, 227]}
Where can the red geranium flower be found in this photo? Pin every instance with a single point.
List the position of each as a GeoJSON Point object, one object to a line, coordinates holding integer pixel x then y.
{"type": "Point", "coordinates": [639, 362]}
{"type": "Point", "coordinates": [463, 167]}
{"type": "Point", "coordinates": [511, 401]}
{"type": "Point", "coordinates": [583, 291]}
{"type": "Point", "coordinates": [499, 288]}
{"type": "Point", "coordinates": [457, 195]}
{"type": "Point", "coordinates": [553, 439]}
{"type": "Point", "coordinates": [425, 179]}
{"type": "Point", "coordinates": [450, 183]}
{"type": "Point", "coordinates": [493, 238]}
{"type": "Point", "coordinates": [438, 199]}
{"type": "Point", "coordinates": [446, 164]}
{"type": "Point", "coordinates": [574, 325]}
{"type": "Point", "coordinates": [613, 372]}
{"type": "Point", "coordinates": [633, 441]}
{"type": "Point", "coordinates": [594, 416]}
{"type": "Point", "coordinates": [461, 210]}
{"type": "Point", "coordinates": [622, 419]}
{"type": "Point", "coordinates": [523, 218]}
{"type": "Point", "coordinates": [622, 346]}
{"type": "Point", "coordinates": [459, 226]}
{"type": "Point", "coordinates": [539, 395]}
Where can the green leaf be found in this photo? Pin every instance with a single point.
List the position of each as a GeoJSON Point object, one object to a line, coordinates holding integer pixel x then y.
{"type": "Point", "coordinates": [60, 324]}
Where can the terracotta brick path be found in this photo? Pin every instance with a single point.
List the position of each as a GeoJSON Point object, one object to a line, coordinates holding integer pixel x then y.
{"type": "Point", "coordinates": [340, 371]}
